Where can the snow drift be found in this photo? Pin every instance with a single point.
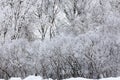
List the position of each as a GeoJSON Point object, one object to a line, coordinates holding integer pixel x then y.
{"type": "Point", "coordinates": [32, 77]}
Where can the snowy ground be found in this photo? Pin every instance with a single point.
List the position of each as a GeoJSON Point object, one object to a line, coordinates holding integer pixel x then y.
{"type": "Point", "coordinates": [40, 78]}
{"type": "Point", "coordinates": [93, 79]}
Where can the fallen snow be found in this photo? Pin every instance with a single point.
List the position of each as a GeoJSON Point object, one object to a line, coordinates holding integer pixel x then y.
{"type": "Point", "coordinates": [111, 78]}
{"type": "Point", "coordinates": [77, 79]}
{"type": "Point", "coordinates": [15, 78]}
{"type": "Point", "coordinates": [32, 77]}
{"type": "Point", "coordinates": [93, 79]}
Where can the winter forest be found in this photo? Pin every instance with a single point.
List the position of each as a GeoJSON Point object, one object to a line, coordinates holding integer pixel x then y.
{"type": "Point", "coordinates": [60, 39]}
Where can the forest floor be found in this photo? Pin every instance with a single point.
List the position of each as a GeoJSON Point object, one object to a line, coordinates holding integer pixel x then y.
{"type": "Point", "coordinates": [40, 78]}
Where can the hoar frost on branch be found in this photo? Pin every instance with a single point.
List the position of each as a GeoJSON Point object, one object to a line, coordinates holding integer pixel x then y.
{"type": "Point", "coordinates": [59, 38]}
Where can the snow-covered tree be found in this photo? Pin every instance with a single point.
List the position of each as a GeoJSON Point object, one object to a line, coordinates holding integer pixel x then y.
{"type": "Point", "coordinates": [59, 38]}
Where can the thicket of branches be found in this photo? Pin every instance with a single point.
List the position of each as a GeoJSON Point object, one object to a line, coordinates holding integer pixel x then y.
{"type": "Point", "coordinates": [60, 38]}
